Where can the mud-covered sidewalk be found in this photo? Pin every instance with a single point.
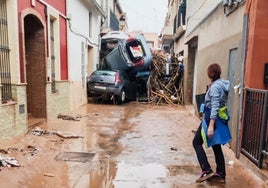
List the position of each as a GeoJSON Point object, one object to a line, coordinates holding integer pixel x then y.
{"type": "Point", "coordinates": [104, 146]}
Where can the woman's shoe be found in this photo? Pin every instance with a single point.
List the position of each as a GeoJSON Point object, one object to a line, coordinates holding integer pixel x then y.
{"type": "Point", "coordinates": [205, 175]}
{"type": "Point", "coordinates": [217, 179]}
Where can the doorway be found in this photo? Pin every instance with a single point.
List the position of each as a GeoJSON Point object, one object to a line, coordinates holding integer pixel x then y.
{"type": "Point", "coordinates": [191, 71]}
{"type": "Point", "coordinates": [35, 63]}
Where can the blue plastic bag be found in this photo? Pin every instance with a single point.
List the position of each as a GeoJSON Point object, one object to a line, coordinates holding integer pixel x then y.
{"type": "Point", "coordinates": [222, 133]}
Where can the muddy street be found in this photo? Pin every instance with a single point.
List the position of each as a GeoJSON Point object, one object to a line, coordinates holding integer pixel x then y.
{"type": "Point", "coordinates": [116, 146]}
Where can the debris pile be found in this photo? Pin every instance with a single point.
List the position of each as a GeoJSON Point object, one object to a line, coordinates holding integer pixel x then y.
{"type": "Point", "coordinates": [69, 117]}
{"type": "Point", "coordinates": [39, 132]}
{"type": "Point", "coordinates": [8, 162]}
{"type": "Point", "coordinates": [165, 85]}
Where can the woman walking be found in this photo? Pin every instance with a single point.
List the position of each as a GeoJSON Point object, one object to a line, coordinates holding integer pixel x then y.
{"type": "Point", "coordinates": [215, 99]}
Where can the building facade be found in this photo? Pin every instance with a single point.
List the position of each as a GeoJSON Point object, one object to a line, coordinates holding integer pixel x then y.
{"type": "Point", "coordinates": [115, 19]}
{"type": "Point", "coordinates": [205, 31]}
{"type": "Point", "coordinates": [196, 37]}
{"type": "Point", "coordinates": [34, 69]}
{"type": "Point", "coordinates": [13, 105]}
{"type": "Point", "coordinates": [43, 57]}
{"type": "Point", "coordinates": [256, 56]}
{"type": "Point", "coordinates": [233, 34]}
{"type": "Point", "coordinates": [83, 35]}
{"type": "Point", "coordinates": [167, 31]}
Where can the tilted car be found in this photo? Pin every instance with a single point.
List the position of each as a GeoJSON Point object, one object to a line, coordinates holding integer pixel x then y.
{"type": "Point", "coordinates": [131, 55]}
{"type": "Point", "coordinates": [111, 85]}
{"type": "Point", "coordinates": [110, 41]}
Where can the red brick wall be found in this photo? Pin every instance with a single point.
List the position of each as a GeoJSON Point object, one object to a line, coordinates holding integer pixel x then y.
{"type": "Point", "coordinates": [36, 67]}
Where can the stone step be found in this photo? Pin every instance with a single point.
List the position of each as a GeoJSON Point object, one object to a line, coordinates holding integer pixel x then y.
{"type": "Point", "coordinates": [34, 122]}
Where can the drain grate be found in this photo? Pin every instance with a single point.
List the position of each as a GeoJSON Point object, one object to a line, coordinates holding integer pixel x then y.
{"type": "Point", "coordinates": [75, 156]}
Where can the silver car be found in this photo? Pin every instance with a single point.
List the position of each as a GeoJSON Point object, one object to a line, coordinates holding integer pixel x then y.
{"type": "Point", "coordinates": [112, 85]}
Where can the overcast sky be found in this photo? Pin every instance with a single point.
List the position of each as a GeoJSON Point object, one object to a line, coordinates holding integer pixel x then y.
{"type": "Point", "coordinates": [145, 15]}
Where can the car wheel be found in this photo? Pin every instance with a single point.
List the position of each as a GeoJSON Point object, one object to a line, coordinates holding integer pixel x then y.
{"type": "Point", "coordinates": [120, 98]}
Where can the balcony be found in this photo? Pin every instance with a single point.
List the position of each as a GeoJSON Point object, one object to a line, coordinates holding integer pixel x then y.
{"type": "Point", "coordinates": [179, 32]}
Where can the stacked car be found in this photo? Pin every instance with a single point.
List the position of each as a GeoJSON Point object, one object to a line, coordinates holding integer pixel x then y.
{"type": "Point", "coordinates": [125, 57]}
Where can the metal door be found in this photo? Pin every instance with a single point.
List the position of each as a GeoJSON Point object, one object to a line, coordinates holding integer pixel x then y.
{"type": "Point", "coordinates": [234, 76]}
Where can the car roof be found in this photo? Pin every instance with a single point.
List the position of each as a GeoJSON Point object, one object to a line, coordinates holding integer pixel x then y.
{"type": "Point", "coordinates": [116, 35]}
{"type": "Point", "coordinates": [104, 70]}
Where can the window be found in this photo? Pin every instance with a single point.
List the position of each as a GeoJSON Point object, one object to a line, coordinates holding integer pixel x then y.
{"type": "Point", "coordinates": [182, 13]}
{"type": "Point", "coordinates": [90, 24]}
{"type": "Point", "coordinates": [114, 23]}
{"type": "Point", "coordinates": [52, 57]}
{"type": "Point", "coordinates": [5, 76]}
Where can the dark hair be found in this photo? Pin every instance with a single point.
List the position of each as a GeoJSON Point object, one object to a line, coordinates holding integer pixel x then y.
{"type": "Point", "coordinates": [214, 71]}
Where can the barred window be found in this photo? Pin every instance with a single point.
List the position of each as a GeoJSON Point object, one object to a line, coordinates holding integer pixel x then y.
{"type": "Point", "coordinates": [5, 76]}
{"type": "Point", "coordinates": [53, 58]}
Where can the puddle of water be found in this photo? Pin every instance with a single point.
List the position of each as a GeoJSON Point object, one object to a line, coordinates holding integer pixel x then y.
{"type": "Point", "coordinates": [139, 175]}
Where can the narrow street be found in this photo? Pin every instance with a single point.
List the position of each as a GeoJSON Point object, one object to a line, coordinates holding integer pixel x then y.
{"type": "Point", "coordinates": [132, 145]}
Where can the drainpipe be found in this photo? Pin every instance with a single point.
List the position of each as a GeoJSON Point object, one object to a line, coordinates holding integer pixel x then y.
{"type": "Point", "coordinates": [78, 34]}
{"type": "Point", "coordinates": [69, 22]}
{"type": "Point", "coordinates": [240, 110]}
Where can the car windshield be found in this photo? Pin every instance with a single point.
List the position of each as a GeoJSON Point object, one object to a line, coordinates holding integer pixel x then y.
{"type": "Point", "coordinates": [104, 72]}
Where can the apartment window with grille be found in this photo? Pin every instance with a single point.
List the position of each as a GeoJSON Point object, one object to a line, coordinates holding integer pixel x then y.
{"type": "Point", "coordinates": [52, 57]}
{"type": "Point", "coordinates": [5, 75]}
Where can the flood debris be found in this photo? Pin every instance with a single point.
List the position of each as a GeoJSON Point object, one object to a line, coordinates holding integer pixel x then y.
{"type": "Point", "coordinates": [8, 162]}
{"type": "Point", "coordinates": [31, 150]}
{"type": "Point", "coordinates": [4, 151]}
{"type": "Point", "coordinates": [67, 135]}
{"type": "Point", "coordinates": [165, 84]}
{"type": "Point", "coordinates": [49, 175]}
{"type": "Point", "coordinates": [39, 132]}
{"type": "Point", "coordinates": [69, 117]}
{"type": "Point", "coordinates": [231, 163]}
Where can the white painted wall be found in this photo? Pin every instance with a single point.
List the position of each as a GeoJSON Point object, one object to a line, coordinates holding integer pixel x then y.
{"type": "Point", "coordinates": [79, 38]}
{"type": "Point", "coordinates": [13, 41]}
{"type": "Point", "coordinates": [197, 11]}
{"type": "Point", "coordinates": [78, 16]}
